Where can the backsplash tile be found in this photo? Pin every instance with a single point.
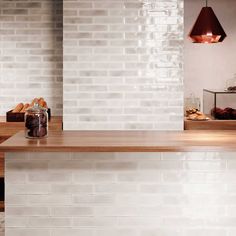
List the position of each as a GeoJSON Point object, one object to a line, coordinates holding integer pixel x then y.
{"type": "Point", "coordinates": [123, 64]}
{"type": "Point", "coordinates": [2, 224]}
{"type": "Point", "coordinates": [30, 53]}
{"type": "Point", "coordinates": [122, 61]}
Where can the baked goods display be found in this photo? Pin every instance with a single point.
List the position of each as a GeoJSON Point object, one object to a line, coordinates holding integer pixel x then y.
{"type": "Point", "coordinates": [23, 107]}
{"type": "Point", "coordinates": [231, 88]}
{"type": "Point", "coordinates": [17, 114]}
{"type": "Point", "coordinates": [194, 114]}
{"type": "Point", "coordinates": [191, 110]}
{"type": "Point", "coordinates": [224, 114]}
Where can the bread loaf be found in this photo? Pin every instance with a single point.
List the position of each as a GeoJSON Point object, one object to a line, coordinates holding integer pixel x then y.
{"type": "Point", "coordinates": [41, 102]}
{"type": "Point", "coordinates": [45, 104]}
{"type": "Point", "coordinates": [35, 100]}
{"type": "Point", "coordinates": [25, 107]}
{"type": "Point", "coordinates": [18, 108]}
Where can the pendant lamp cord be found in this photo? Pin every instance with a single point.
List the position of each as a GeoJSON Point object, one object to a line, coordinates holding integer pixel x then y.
{"type": "Point", "coordinates": [206, 3]}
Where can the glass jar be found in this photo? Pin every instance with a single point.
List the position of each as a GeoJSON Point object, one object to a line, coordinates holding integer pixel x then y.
{"type": "Point", "coordinates": [36, 122]}
{"type": "Point", "coordinates": [231, 84]}
{"type": "Point", "coordinates": [191, 104]}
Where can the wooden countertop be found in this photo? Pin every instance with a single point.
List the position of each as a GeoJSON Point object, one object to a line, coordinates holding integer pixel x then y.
{"type": "Point", "coordinates": [124, 141]}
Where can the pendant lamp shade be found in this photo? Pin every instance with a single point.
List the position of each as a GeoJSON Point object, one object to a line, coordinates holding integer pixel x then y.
{"type": "Point", "coordinates": [207, 28]}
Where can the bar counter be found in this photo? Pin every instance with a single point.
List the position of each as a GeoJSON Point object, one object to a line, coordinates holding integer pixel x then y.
{"type": "Point", "coordinates": [124, 141]}
{"type": "Point", "coordinates": [129, 183]}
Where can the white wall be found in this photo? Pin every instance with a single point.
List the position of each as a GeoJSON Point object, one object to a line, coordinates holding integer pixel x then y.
{"type": "Point", "coordinates": [209, 66]}
{"type": "Point", "coordinates": [123, 61]}
{"type": "Point", "coordinates": [1, 223]}
{"type": "Point", "coordinates": [123, 65]}
{"type": "Point", "coordinates": [30, 53]}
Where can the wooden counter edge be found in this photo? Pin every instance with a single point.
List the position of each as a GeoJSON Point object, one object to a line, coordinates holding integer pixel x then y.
{"type": "Point", "coordinates": [124, 141]}
{"type": "Point", "coordinates": [211, 148]}
{"type": "Point", "coordinates": [2, 207]}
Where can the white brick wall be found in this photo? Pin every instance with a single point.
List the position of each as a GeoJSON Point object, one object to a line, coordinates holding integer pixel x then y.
{"type": "Point", "coordinates": [2, 224]}
{"type": "Point", "coordinates": [138, 194]}
{"type": "Point", "coordinates": [30, 53]}
{"type": "Point", "coordinates": [123, 64]}
{"type": "Point", "coordinates": [122, 61]}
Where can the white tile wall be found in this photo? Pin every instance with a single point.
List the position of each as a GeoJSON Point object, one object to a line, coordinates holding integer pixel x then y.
{"type": "Point", "coordinates": [123, 64]}
{"type": "Point", "coordinates": [138, 194]}
{"type": "Point", "coordinates": [122, 61]}
{"type": "Point", "coordinates": [2, 224]}
{"type": "Point", "coordinates": [30, 53]}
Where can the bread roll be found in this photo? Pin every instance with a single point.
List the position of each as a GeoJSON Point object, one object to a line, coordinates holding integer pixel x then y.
{"type": "Point", "coordinates": [45, 104]}
{"type": "Point", "coordinates": [199, 113]}
{"type": "Point", "coordinates": [35, 100]}
{"type": "Point", "coordinates": [193, 116]}
{"type": "Point", "coordinates": [41, 102]}
{"type": "Point", "coordinates": [18, 108]}
{"type": "Point", "coordinates": [201, 117]}
{"type": "Point", "coordinates": [25, 107]}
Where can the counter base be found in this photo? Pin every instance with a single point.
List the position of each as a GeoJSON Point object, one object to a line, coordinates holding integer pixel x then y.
{"type": "Point", "coordinates": [128, 194]}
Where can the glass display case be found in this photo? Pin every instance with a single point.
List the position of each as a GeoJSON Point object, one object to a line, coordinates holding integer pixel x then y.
{"type": "Point", "coordinates": [219, 104]}
{"type": "Point", "coordinates": [191, 103]}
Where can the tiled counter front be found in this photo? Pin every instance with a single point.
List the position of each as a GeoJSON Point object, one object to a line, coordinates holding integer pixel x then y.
{"type": "Point", "coordinates": [1, 223]}
{"type": "Point", "coordinates": [128, 194]}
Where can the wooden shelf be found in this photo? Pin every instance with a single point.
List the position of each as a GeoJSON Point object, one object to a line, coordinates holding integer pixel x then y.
{"type": "Point", "coordinates": [210, 125]}
{"type": "Point", "coordinates": [2, 207]}
{"type": "Point", "coordinates": [1, 165]}
{"type": "Point", "coordinates": [2, 161]}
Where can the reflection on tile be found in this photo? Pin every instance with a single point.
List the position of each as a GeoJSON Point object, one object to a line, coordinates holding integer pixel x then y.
{"type": "Point", "coordinates": [2, 224]}
{"type": "Point", "coordinates": [135, 54]}
{"type": "Point", "coordinates": [134, 193]}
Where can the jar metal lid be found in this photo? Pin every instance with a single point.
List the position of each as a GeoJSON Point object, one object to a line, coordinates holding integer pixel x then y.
{"type": "Point", "coordinates": [36, 108]}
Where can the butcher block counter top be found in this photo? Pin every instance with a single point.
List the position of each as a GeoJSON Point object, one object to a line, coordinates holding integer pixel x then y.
{"type": "Point", "coordinates": [124, 141]}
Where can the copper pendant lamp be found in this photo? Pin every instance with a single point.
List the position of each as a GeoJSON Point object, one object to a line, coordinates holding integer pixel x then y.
{"type": "Point", "coordinates": [207, 28]}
